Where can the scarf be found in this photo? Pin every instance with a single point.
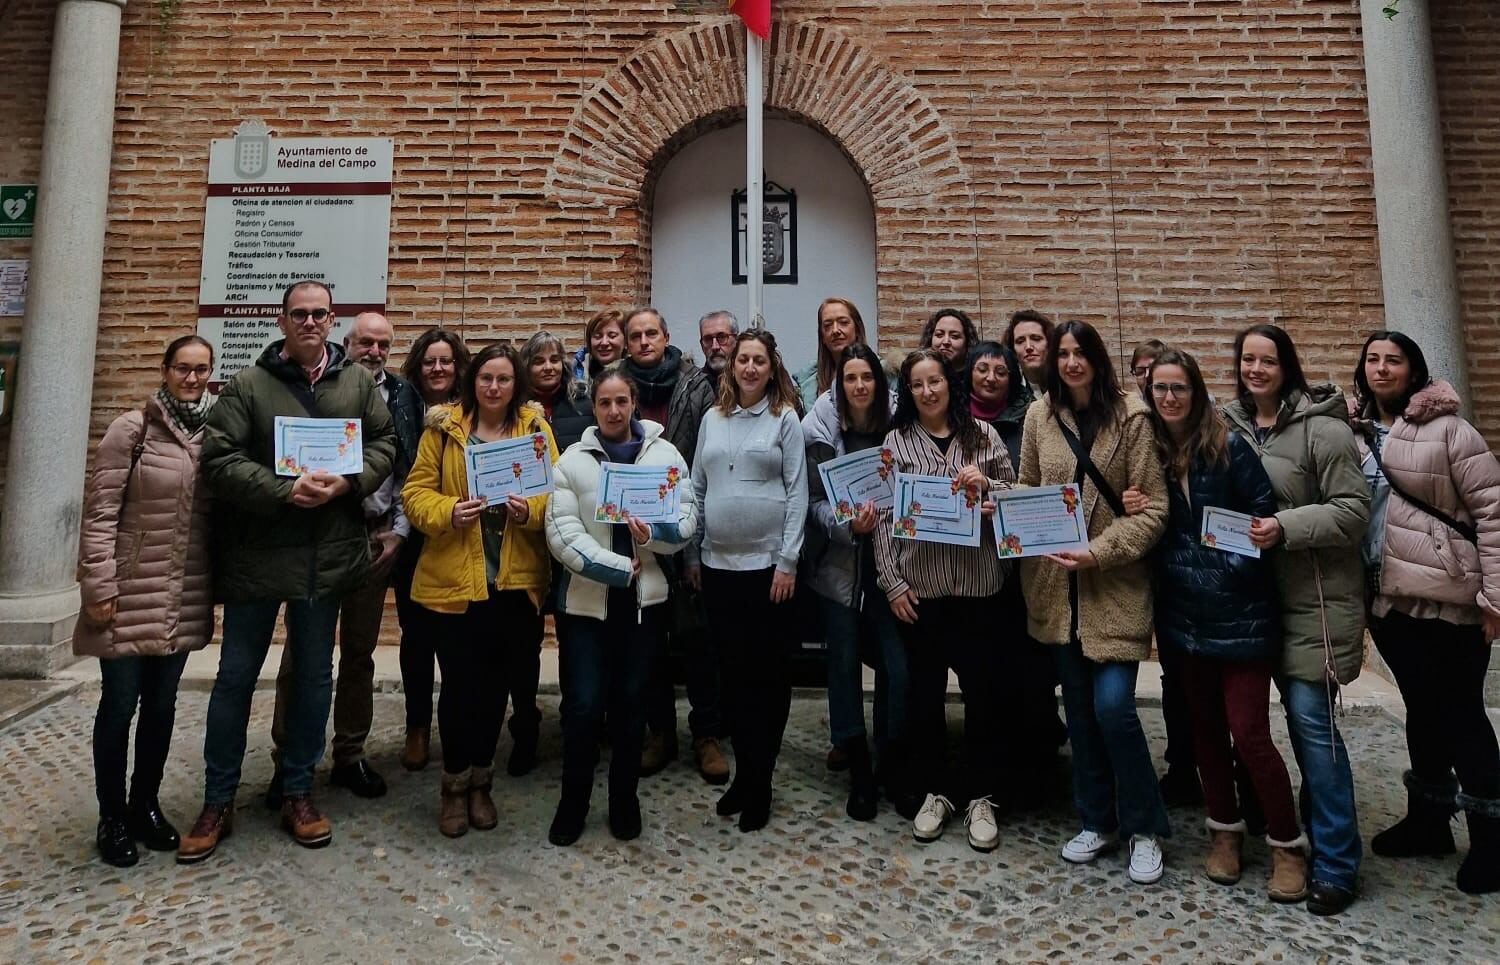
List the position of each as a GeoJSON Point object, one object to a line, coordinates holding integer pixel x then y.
{"type": "Point", "coordinates": [983, 412]}
{"type": "Point", "coordinates": [625, 452]}
{"type": "Point", "coordinates": [188, 416]}
{"type": "Point", "coordinates": [655, 385]}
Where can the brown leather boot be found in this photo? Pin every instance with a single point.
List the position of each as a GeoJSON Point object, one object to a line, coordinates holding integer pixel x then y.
{"type": "Point", "coordinates": [453, 818]}
{"type": "Point", "coordinates": [1288, 882]}
{"type": "Point", "coordinates": [215, 822]}
{"type": "Point", "coordinates": [482, 814]}
{"type": "Point", "coordinates": [414, 755]}
{"type": "Point", "coordinates": [305, 822]}
{"type": "Point", "coordinates": [1225, 844]}
{"type": "Point", "coordinates": [710, 760]}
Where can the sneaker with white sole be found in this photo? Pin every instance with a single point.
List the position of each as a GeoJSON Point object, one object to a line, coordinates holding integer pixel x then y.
{"type": "Point", "coordinates": [984, 831]}
{"type": "Point", "coordinates": [1146, 861]}
{"type": "Point", "coordinates": [930, 821]}
{"type": "Point", "coordinates": [1089, 845]}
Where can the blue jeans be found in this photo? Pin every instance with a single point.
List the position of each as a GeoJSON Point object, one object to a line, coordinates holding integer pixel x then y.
{"type": "Point", "coordinates": [127, 683]}
{"type": "Point", "coordinates": [1327, 781]}
{"type": "Point", "coordinates": [851, 634]}
{"type": "Point", "coordinates": [1114, 782]}
{"type": "Point", "coordinates": [247, 637]}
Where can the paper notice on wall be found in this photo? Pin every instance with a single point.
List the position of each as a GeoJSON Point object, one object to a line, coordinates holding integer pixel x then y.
{"type": "Point", "coordinates": [13, 273]}
{"type": "Point", "coordinates": [280, 209]}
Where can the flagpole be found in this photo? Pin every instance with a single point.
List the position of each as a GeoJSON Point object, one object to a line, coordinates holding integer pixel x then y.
{"type": "Point", "coordinates": [754, 172]}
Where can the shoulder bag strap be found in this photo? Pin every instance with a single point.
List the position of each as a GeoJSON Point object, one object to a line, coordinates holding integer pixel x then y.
{"type": "Point", "coordinates": [1091, 470]}
{"type": "Point", "coordinates": [1467, 530]}
{"type": "Point", "coordinates": [136, 452]}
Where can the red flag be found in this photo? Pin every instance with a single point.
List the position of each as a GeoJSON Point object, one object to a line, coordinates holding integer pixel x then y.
{"type": "Point", "coordinates": [756, 14]}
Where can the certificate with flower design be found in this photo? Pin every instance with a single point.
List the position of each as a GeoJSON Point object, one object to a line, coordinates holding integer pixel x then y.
{"type": "Point", "coordinates": [867, 476]}
{"type": "Point", "coordinates": [651, 494]}
{"type": "Point", "coordinates": [517, 466]}
{"type": "Point", "coordinates": [1039, 520]}
{"type": "Point", "coordinates": [1226, 530]}
{"type": "Point", "coordinates": [935, 509]}
{"type": "Point", "coordinates": [319, 445]}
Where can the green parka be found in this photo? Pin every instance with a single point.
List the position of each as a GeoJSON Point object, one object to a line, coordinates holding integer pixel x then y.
{"type": "Point", "coordinates": [1323, 506]}
{"type": "Point", "coordinates": [264, 547]}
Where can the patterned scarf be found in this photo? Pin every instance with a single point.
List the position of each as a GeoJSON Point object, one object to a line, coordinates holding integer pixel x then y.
{"type": "Point", "coordinates": [189, 416]}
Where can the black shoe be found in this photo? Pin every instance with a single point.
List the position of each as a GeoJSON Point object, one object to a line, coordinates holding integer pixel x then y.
{"type": "Point", "coordinates": [907, 803]}
{"type": "Point", "coordinates": [1326, 899]}
{"type": "Point", "coordinates": [864, 793]}
{"type": "Point", "coordinates": [150, 827]}
{"type": "Point", "coordinates": [567, 823]}
{"type": "Point", "coordinates": [757, 810]}
{"type": "Point", "coordinates": [1480, 872]}
{"type": "Point", "coordinates": [522, 755]}
{"type": "Point", "coordinates": [116, 846]}
{"type": "Point", "coordinates": [274, 793]}
{"type": "Point", "coordinates": [732, 801]}
{"type": "Point", "coordinates": [358, 777]}
{"type": "Point", "coordinates": [1180, 788]}
{"type": "Point", "coordinates": [625, 818]}
{"type": "Point", "coordinates": [1422, 833]}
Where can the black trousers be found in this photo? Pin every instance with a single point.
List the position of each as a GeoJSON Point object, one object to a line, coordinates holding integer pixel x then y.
{"type": "Point", "coordinates": [417, 650]}
{"type": "Point", "coordinates": [1439, 668]}
{"type": "Point", "coordinates": [755, 639]}
{"type": "Point", "coordinates": [149, 683]}
{"type": "Point", "coordinates": [474, 650]}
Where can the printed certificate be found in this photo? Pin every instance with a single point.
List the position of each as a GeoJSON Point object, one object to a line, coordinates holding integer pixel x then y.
{"type": "Point", "coordinates": [313, 445]}
{"type": "Point", "coordinates": [647, 493]}
{"type": "Point", "coordinates": [1228, 531]}
{"type": "Point", "coordinates": [858, 478]}
{"type": "Point", "coordinates": [498, 469]}
{"type": "Point", "coordinates": [1039, 520]}
{"type": "Point", "coordinates": [913, 518]}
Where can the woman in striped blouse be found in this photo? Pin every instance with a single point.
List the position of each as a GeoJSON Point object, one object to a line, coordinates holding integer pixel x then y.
{"type": "Point", "coordinates": [939, 593]}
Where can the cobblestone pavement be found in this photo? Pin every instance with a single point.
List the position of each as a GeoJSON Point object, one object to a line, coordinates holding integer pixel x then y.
{"type": "Point", "coordinates": [814, 887]}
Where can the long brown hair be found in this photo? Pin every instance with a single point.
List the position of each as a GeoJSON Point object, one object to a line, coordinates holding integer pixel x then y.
{"type": "Point", "coordinates": [780, 390]}
{"type": "Point", "coordinates": [965, 428]}
{"type": "Point", "coordinates": [1207, 439]}
{"type": "Point", "coordinates": [827, 364]}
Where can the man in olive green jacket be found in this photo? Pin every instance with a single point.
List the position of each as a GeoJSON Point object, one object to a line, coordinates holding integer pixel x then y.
{"type": "Point", "coordinates": [298, 540]}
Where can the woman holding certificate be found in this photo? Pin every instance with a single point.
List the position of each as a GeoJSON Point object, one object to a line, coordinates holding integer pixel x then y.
{"type": "Point", "coordinates": [851, 421]}
{"type": "Point", "coordinates": [1301, 433]}
{"type": "Point", "coordinates": [483, 571]}
{"type": "Point", "coordinates": [749, 474]}
{"type": "Point", "coordinates": [1216, 609]}
{"type": "Point", "coordinates": [943, 592]}
{"type": "Point", "coordinates": [611, 598]}
{"type": "Point", "coordinates": [1433, 552]}
{"type": "Point", "coordinates": [1094, 604]}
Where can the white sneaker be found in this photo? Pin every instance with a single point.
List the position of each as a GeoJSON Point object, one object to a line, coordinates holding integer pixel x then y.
{"type": "Point", "coordinates": [929, 823]}
{"type": "Point", "coordinates": [1089, 845]}
{"type": "Point", "coordinates": [984, 832]}
{"type": "Point", "coordinates": [1146, 863]}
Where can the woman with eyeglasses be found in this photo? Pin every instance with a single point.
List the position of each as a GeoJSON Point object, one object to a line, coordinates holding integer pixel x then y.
{"type": "Point", "coordinates": [1301, 434]}
{"type": "Point", "coordinates": [434, 370]}
{"type": "Point", "coordinates": [483, 573]}
{"type": "Point", "coordinates": [147, 601]}
{"type": "Point", "coordinates": [1216, 610]}
{"type": "Point", "coordinates": [1432, 554]}
{"type": "Point", "coordinates": [1094, 605]}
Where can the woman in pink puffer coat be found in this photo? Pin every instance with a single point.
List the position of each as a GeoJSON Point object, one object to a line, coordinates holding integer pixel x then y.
{"type": "Point", "coordinates": [143, 574]}
{"type": "Point", "coordinates": [1433, 553]}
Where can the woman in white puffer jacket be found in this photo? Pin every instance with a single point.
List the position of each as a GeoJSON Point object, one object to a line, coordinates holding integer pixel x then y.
{"type": "Point", "coordinates": [611, 604]}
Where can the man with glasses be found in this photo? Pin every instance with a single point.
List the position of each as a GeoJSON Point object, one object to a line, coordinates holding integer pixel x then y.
{"type": "Point", "coordinates": [716, 332]}
{"type": "Point", "coordinates": [299, 541]}
{"type": "Point", "coordinates": [368, 343]}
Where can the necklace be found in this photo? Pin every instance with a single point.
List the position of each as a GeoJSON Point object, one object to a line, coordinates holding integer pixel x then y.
{"type": "Point", "coordinates": [735, 451]}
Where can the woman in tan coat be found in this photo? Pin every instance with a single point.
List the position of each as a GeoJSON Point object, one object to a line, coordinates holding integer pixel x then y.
{"type": "Point", "coordinates": [1433, 556]}
{"type": "Point", "coordinates": [1094, 606]}
{"type": "Point", "coordinates": [144, 580]}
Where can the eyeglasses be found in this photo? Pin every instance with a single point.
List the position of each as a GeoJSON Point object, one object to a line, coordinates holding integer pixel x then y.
{"type": "Point", "coordinates": [485, 381]}
{"type": "Point", "coordinates": [183, 371]}
{"type": "Point", "coordinates": [722, 338]}
{"type": "Point", "coordinates": [300, 315]}
{"type": "Point", "coordinates": [438, 363]}
{"type": "Point", "coordinates": [1174, 389]}
{"type": "Point", "coordinates": [1140, 370]}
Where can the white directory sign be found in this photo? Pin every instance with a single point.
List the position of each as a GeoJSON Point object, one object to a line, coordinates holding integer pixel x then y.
{"type": "Point", "coordinates": [13, 273]}
{"type": "Point", "coordinates": [284, 208]}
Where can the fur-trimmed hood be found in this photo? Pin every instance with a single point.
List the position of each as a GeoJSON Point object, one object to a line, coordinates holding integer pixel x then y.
{"type": "Point", "coordinates": [1435, 400]}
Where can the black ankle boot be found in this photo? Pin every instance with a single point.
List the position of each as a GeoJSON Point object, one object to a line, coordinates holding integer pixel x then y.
{"type": "Point", "coordinates": [116, 846]}
{"type": "Point", "coordinates": [151, 828]}
{"type": "Point", "coordinates": [864, 794]}
{"type": "Point", "coordinates": [1480, 872]}
{"type": "Point", "coordinates": [567, 823]}
{"type": "Point", "coordinates": [757, 810]}
{"type": "Point", "coordinates": [1425, 830]}
{"type": "Point", "coordinates": [522, 754]}
{"type": "Point", "coordinates": [624, 816]}
{"type": "Point", "coordinates": [732, 801]}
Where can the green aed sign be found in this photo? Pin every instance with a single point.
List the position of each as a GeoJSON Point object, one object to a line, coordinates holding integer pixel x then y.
{"type": "Point", "coordinates": [17, 210]}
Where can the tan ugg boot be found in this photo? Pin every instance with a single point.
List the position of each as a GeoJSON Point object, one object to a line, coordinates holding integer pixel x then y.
{"type": "Point", "coordinates": [1226, 842]}
{"type": "Point", "coordinates": [482, 814]}
{"type": "Point", "coordinates": [1288, 882]}
{"type": "Point", "coordinates": [453, 819]}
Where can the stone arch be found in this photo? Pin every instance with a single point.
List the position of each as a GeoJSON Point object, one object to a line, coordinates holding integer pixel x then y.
{"type": "Point", "coordinates": [902, 146]}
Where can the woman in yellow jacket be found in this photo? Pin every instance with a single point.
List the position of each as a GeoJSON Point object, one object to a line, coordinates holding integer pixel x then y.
{"type": "Point", "coordinates": [483, 573]}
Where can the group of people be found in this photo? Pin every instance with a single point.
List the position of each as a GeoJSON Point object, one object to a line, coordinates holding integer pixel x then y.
{"type": "Point", "coordinates": [1383, 511]}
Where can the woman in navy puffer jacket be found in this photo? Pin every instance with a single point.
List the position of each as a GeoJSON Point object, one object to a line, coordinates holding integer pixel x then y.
{"type": "Point", "coordinates": [1217, 610]}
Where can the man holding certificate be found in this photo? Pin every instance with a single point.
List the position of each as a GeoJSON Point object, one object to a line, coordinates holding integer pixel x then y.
{"type": "Point", "coordinates": [285, 535]}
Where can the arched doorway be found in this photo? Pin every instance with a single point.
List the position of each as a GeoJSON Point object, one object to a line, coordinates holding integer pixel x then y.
{"type": "Point", "coordinates": [693, 234]}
